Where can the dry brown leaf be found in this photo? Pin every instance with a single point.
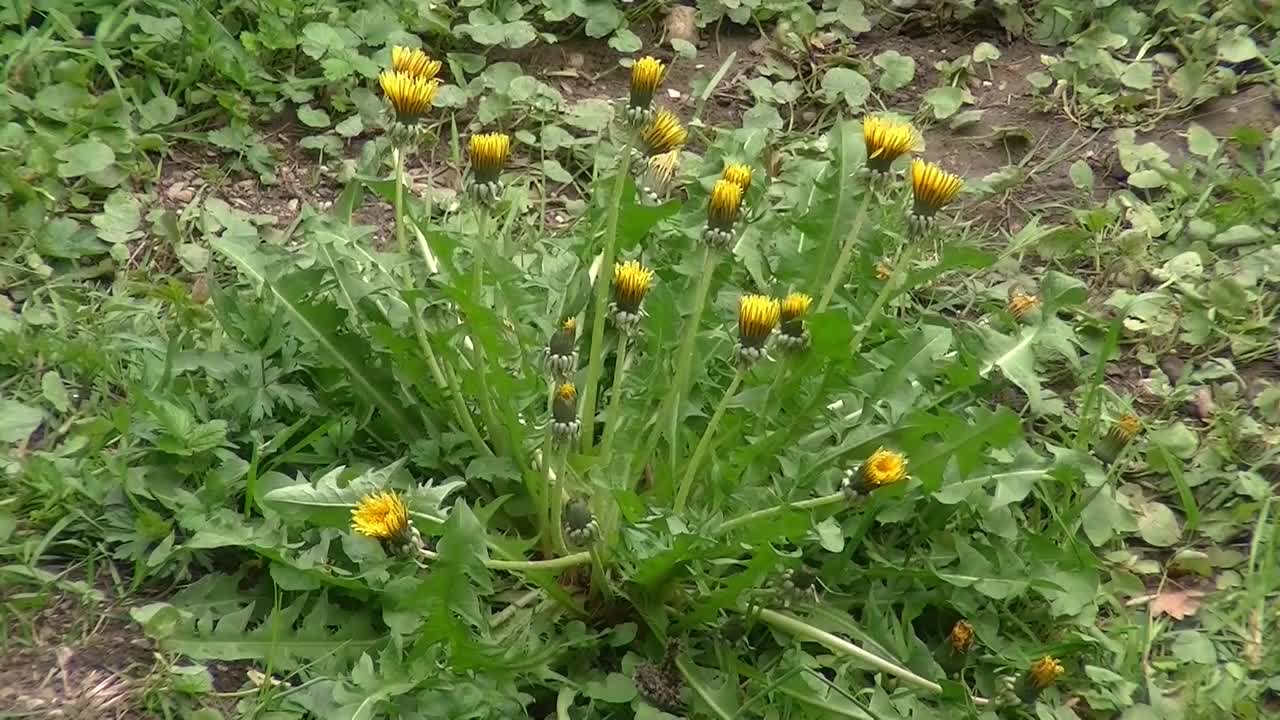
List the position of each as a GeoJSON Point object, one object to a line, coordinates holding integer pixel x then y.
{"type": "Point", "coordinates": [1177, 604]}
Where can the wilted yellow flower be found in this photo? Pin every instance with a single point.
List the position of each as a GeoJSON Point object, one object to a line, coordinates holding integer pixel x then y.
{"type": "Point", "coordinates": [1045, 672]}
{"type": "Point", "coordinates": [739, 175]}
{"type": "Point", "coordinates": [961, 637]}
{"type": "Point", "coordinates": [409, 96]}
{"type": "Point", "coordinates": [415, 62]}
{"type": "Point", "coordinates": [887, 140]}
{"type": "Point", "coordinates": [383, 515]}
{"type": "Point", "coordinates": [646, 75]}
{"type": "Point", "coordinates": [631, 282]}
{"type": "Point", "coordinates": [488, 153]}
{"type": "Point", "coordinates": [1021, 303]}
{"type": "Point", "coordinates": [757, 317]}
{"type": "Point", "coordinates": [933, 187]}
{"type": "Point", "coordinates": [883, 271]}
{"type": "Point", "coordinates": [659, 172]}
{"type": "Point", "coordinates": [722, 208]}
{"type": "Point", "coordinates": [663, 133]}
{"type": "Point", "coordinates": [1126, 428]}
{"type": "Point", "coordinates": [884, 467]}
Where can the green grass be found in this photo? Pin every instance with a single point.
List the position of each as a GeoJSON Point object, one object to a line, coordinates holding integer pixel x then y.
{"type": "Point", "coordinates": [190, 407]}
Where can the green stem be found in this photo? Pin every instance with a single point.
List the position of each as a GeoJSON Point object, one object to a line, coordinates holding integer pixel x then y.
{"type": "Point", "coordinates": [477, 347]}
{"type": "Point", "coordinates": [901, 267]}
{"type": "Point", "coordinates": [397, 159]}
{"type": "Point", "coordinates": [846, 251]}
{"type": "Point", "coordinates": [613, 418]}
{"type": "Point", "coordinates": [555, 499]}
{"type": "Point", "coordinates": [735, 523]}
{"type": "Point", "coordinates": [686, 483]}
{"type": "Point", "coordinates": [595, 364]}
{"type": "Point", "coordinates": [446, 384]}
{"type": "Point", "coordinates": [805, 631]}
{"type": "Point", "coordinates": [560, 563]}
{"type": "Point", "coordinates": [778, 377]}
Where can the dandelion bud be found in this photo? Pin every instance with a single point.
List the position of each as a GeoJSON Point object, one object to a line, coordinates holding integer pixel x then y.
{"type": "Point", "coordinates": [631, 282]}
{"type": "Point", "coordinates": [1042, 674]}
{"type": "Point", "coordinates": [662, 134]}
{"type": "Point", "coordinates": [723, 209]}
{"type": "Point", "coordinates": [564, 413]}
{"type": "Point", "coordinates": [757, 317]}
{"type": "Point", "coordinates": [580, 526]}
{"type": "Point", "coordinates": [793, 335]}
{"type": "Point", "coordinates": [883, 467]}
{"type": "Point", "coordinates": [657, 176]}
{"type": "Point", "coordinates": [646, 75]}
{"type": "Point", "coordinates": [414, 62]}
{"type": "Point", "coordinates": [800, 585]}
{"type": "Point", "coordinates": [933, 188]}
{"type": "Point", "coordinates": [739, 175]}
{"type": "Point", "coordinates": [1021, 305]}
{"type": "Point", "coordinates": [562, 353]}
{"type": "Point", "coordinates": [488, 153]}
{"type": "Point", "coordinates": [961, 637]}
{"type": "Point", "coordinates": [887, 140]}
{"type": "Point", "coordinates": [883, 271]}
{"type": "Point", "coordinates": [1121, 433]}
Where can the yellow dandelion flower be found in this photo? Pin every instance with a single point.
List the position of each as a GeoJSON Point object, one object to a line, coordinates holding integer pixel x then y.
{"type": "Point", "coordinates": [739, 175]}
{"type": "Point", "coordinates": [570, 325]}
{"type": "Point", "coordinates": [758, 315]}
{"type": "Point", "coordinates": [933, 187]}
{"type": "Point", "coordinates": [723, 207]}
{"type": "Point", "coordinates": [415, 62]}
{"type": "Point", "coordinates": [887, 140]}
{"type": "Point", "coordinates": [646, 75]}
{"type": "Point", "coordinates": [1020, 304]}
{"type": "Point", "coordinates": [795, 306]}
{"type": "Point", "coordinates": [1045, 672]}
{"type": "Point", "coordinates": [631, 282]}
{"type": "Point", "coordinates": [409, 96]}
{"type": "Point", "coordinates": [883, 271]}
{"type": "Point", "coordinates": [961, 637]}
{"type": "Point", "coordinates": [383, 515]}
{"type": "Point", "coordinates": [1126, 428]}
{"type": "Point", "coordinates": [883, 467]}
{"type": "Point", "coordinates": [663, 133]}
{"type": "Point", "coordinates": [564, 408]}
{"type": "Point", "coordinates": [488, 153]}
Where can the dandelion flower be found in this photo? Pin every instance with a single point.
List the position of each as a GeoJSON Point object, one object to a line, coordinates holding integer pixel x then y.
{"type": "Point", "coordinates": [793, 334]}
{"type": "Point", "coordinates": [934, 188]}
{"type": "Point", "coordinates": [1127, 427]}
{"type": "Point", "coordinates": [631, 282]}
{"type": "Point", "coordinates": [409, 96]}
{"type": "Point", "coordinates": [658, 174]}
{"type": "Point", "coordinates": [883, 467]}
{"type": "Point", "coordinates": [887, 140]}
{"type": "Point", "coordinates": [383, 515]}
{"type": "Point", "coordinates": [488, 153]}
{"type": "Point", "coordinates": [646, 75]}
{"type": "Point", "coordinates": [758, 315]}
{"type": "Point", "coordinates": [564, 413]}
{"type": "Point", "coordinates": [883, 271]}
{"type": "Point", "coordinates": [739, 175]}
{"type": "Point", "coordinates": [662, 134]}
{"type": "Point", "coordinates": [961, 637]}
{"type": "Point", "coordinates": [1120, 434]}
{"type": "Point", "coordinates": [1022, 304]}
{"type": "Point", "coordinates": [580, 525]}
{"type": "Point", "coordinates": [723, 209]}
{"type": "Point", "coordinates": [1045, 672]}
{"type": "Point", "coordinates": [562, 354]}
{"type": "Point", "coordinates": [414, 62]}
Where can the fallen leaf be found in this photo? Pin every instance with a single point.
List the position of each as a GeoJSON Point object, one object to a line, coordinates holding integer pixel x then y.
{"type": "Point", "coordinates": [1177, 604]}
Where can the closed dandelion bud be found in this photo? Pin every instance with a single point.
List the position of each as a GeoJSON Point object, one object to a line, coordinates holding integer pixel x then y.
{"type": "Point", "coordinates": [800, 586]}
{"type": "Point", "coordinates": [662, 134]}
{"type": "Point", "coordinates": [933, 189]}
{"type": "Point", "coordinates": [564, 413]}
{"type": "Point", "coordinates": [757, 317]}
{"type": "Point", "coordinates": [961, 637]}
{"type": "Point", "coordinates": [488, 153]}
{"type": "Point", "coordinates": [646, 76]}
{"type": "Point", "coordinates": [1120, 434]}
{"type": "Point", "coordinates": [414, 62]}
{"type": "Point", "coordinates": [883, 467]}
{"type": "Point", "coordinates": [886, 141]}
{"type": "Point", "coordinates": [580, 526]}
{"type": "Point", "coordinates": [384, 516]}
{"type": "Point", "coordinates": [658, 174]}
{"type": "Point", "coordinates": [409, 97]}
{"type": "Point", "coordinates": [1042, 674]}
{"type": "Point", "coordinates": [562, 353]}
{"type": "Point", "coordinates": [631, 282]}
{"type": "Point", "coordinates": [723, 209]}
{"type": "Point", "coordinates": [739, 175]}
{"type": "Point", "coordinates": [1023, 306]}
{"type": "Point", "coordinates": [792, 333]}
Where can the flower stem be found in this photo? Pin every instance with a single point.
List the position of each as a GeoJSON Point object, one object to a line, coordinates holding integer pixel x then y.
{"type": "Point", "coordinates": [686, 483]}
{"type": "Point", "coordinates": [555, 500]}
{"type": "Point", "coordinates": [397, 159]}
{"type": "Point", "coordinates": [560, 563]}
{"type": "Point", "coordinates": [769, 393]}
{"type": "Point", "coordinates": [846, 251]}
{"type": "Point", "coordinates": [901, 268]}
{"type": "Point", "coordinates": [737, 522]}
{"type": "Point", "coordinates": [595, 363]}
{"type": "Point", "coordinates": [477, 347]}
{"type": "Point", "coordinates": [613, 418]}
{"type": "Point", "coordinates": [805, 631]}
